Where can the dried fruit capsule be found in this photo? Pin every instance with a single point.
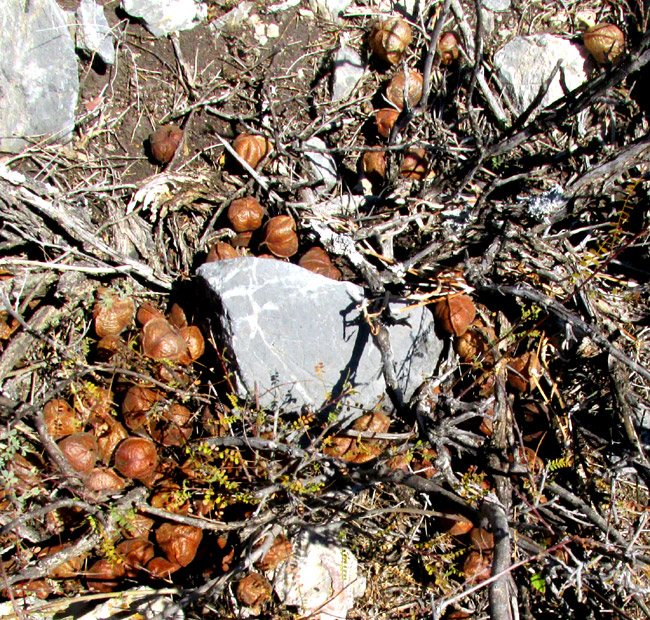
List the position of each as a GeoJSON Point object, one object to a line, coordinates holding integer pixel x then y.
{"type": "Point", "coordinates": [455, 313]}
{"type": "Point", "coordinates": [160, 341]}
{"type": "Point", "coordinates": [395, 89]}
{"type": "Point", "coordinates": [375, 422]}
{"type": "Point", "coordinates": [221, 251]}
{"type": "Point", "coordinates": [112, 314]}
{"type": "Point", "coordinates": [161, 568]}
{"type": "Point", "coordinates": [81, 451]}
{"type": "Point", "coordinates": [385, 119]}
{"type": "Point", "coordinates": [245, 214]}
{"type": "Point", "coordinates": [414, 164]}
{"type": "Point", "coordinates": [137, 403]}
{"type": "Point", "coordinates": [194, 340]}
{"type": "Point", "coordinates": [148, 312]}
{"type": "Point", "coordinates": [317, 260]}
{"type": "Point", "coordinates": [280, 236]}
{"type": "Point", "coordinates": [252, 148]}
{"type": "Point", "coordinates": [103, 575]}
{"type": "Point", "coordinates": [100, 479]}
{"type": "Point", "coordinates": [253, 591]}
{"type": "Point", "coordinates": [279, 552]}
{"type": "Point", "coordinates": [605, 42]}
{"type": "Point", "coordinates": [136, 553]}
{"type": "Point", "coordinates": [390, 38]}
{"type": "Point", "coordinates": [60, 419]}
{"type": "Point", "coordinates": [173, 426]}
{"type": "Point", "coordinates": [374, 165]}
{"type": "Point", "coordinates": [447, 48]}
{"type": "Point", "coordinates": [164, 142]}
{"type": "Point", "coordinates": [456, 524]}
{"type": "Point", "coordinates": [179, 542]}
{"type": "Point", "coordinates": [136, 457]}
{"type": "Point", "coordinates": [481, 539]}
{"type": "Point", "coordinates": [477, 566]}
{"type": "Point", "coordinates": [523, 371]}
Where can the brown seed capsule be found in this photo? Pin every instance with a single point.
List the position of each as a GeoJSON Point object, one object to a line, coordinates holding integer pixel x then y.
{"type": "Point", "coordinates": [456, 526]}
{"type": "Point", "coordinates": [455, 313]}
{"type": "Point", "coordinates": [414, 164]}
{"type": "Point", "coordinates": [137, 526]}
{"type": "Point", "coordinates": [389, 39]}
{"type": "Point", "coordinates": [164, 142]}
{"type": "Point", "coordinates": [69, 569]}
{"type": "Point", "coordinates": [252, 148]}
{"type": "Point", "coordinates": [160, 341]}
{"type": "Point", "coordinates": [317, 260]}
{"type": "Point", "coordinates": [60, 419]}
{"type": "Point", "coordinates": [280, 236]}
{"type": "Point", "coordinates": [253, 591]}
{"type": "Point", "coordinates": [179, 542]}
{"type": "Point", "coordinates": [161, 568]}
{"type": "Point", "coordinates": [447, 48]}
{"type": "Point", "coordinates": [477, 566]}
{"type": "Point", "coordinates": [385, 119]}
{"type": "Point", "coordinates": [177, 316]}
{"type": "Point", "coordinates": [136, 553]}
{"type": "Point", "coordinates": [375, 422]}
{"type": "Point", "coordinates": [173, 426]}
{"type": "Point", "coordinates": [374, 165]}
{"type": "Point", "coordinates": [148, 312]}
{"type": "Point", "coordinates": [109, 433]}
{"type": "Point", "coordinates": [136, 457]}
{"type": "Point", "coordinates": [194, 340]}
{"type": "Point", "coordinates": [242, 239]}
{"type": "Point", "coordinates": [104, 576]}
{"type": "Point", "coordinates": [279, 552]}
{"type": "Point", "coordinates": [221, 251]}
{"type": "Point", "coordinates": [395, 89]}
{"type": "Point", "coordinates": [481, 539]}
{"type": "Point", "coordinates": [112, 314]}
{"type": "Point", "coordinates": [136, 405]}
{"type": "Point", "coordinates": [524, 371]}
{"type": "Point", "coordinates": [245, 214]}
{"type": "Point", "coordinates": [605, 42]}
{"type": "Point", "coordinates": [81, 451]}
{"type": "Point", "coordinates": [100, 479]}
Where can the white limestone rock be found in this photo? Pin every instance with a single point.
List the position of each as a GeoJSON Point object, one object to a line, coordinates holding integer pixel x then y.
{"type": "Point", "coordinates": [526, 62]}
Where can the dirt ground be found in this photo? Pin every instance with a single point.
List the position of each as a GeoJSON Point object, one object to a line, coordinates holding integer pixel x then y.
{"type": "Point", "coordinates": [516, 479]}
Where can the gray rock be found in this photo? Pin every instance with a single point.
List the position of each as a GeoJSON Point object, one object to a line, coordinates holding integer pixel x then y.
{"type": "Point", "coordinates": [349, 70]}
{"type": "Point", "coordinates": [295, 338]}
{"type": "Point", "coordinates": [234, 17]}
{"type": "Point", "coordinates": [39, 83]}
{"type": "Point", "coordinates": [496, 5]}
{"type": "Point", "coordinates": [321, 577]}
{"type": "Point", "coordinates": [332, 9]}
{"type": "Point", "coordinates": [525, 63]}
{"type": "Point", "coordinates": [322, 164]}
{"type": "Point", "coordinates": [94, 35]}
{"type": "Point", "coordinates": [162, 17]}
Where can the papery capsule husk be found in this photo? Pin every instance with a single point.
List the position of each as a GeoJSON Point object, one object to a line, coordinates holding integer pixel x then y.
{"type": "Point", "coordinates": [390, 38]}
{"type": "Point", "coordinates": [395, 89]}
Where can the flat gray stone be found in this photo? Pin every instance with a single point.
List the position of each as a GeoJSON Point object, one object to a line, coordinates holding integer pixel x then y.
{"type": "Point", "coordinates": [525, 63]}
{"type": "Point", "coordinates": [321, 164]}
{"type": "Point", "coordinates": [162, 17]}
{"type": "Point", "coordinates": [349, 70]}
{"type": "Point", "coordinates": [94, 35]}
{"type": "Point", "coordinates": [294, 338]}
{"type": "Point", "coordinates": [331, 9]}
{"type": "Point", "coordinates": [39, 83]}
{"type": "Point", "coordinates": [496, 5]}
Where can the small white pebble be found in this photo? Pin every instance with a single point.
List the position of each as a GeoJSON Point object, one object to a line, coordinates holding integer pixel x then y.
{"type": "Point", "coordinates": [272, 31]}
